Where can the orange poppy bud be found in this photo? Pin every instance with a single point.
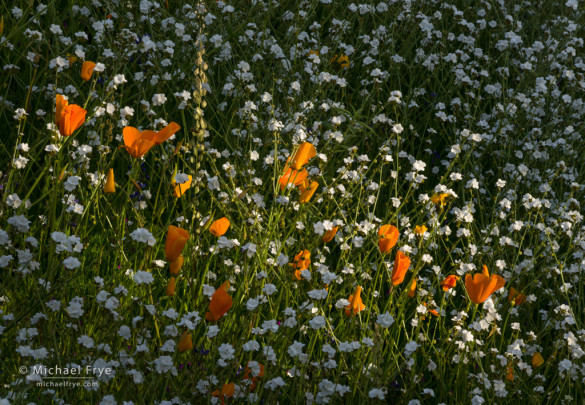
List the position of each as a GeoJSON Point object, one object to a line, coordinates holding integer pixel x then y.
{"type": "Point", "coordinates": [175, 266]}
{"type": "Point", "coordinates": [301, 262]}
{"type": "Point", "coordinates": [171, 287]}
{"type": "Point", "coordinates": [401, 265]}
{"type": "Point", "coordinates": [179, 189]}
{"type": "Point", "coordinates": [220, 303]}
{"type": "Point", "coordinates": [295, 177]}
{"type": "Point", "coordinates": [355, 303]}
{"type": "Point", "coordinates": [305, 152]}
{"type": "Point", "coordinates": [110, 186]}
{"type": "Point", "coordinates": [329, 235]}
{"type": "Point", "coordinates": [87, 70]}
{"type": "Point", "coordinates": [185, 343]}
{"type": "Point", "coordinates": [412, 289]}
{"type": "Point", "coordinates": [537, 360]}
{"type": "Point", "coordinates": [515, 297]}
{"type": "Point", "coordinates": [139, 143]}
{"type": "Point", "coordinates": [449, 282]}
{"type": "Point", "coordinates": [308, 193]}
{"type": "Point", "coordinates": [482, 285]}
{"type": "Point", "coordinates": [176, 240]}
{"type": "Point", "coordinates": [226, 391]}
{"type": "Point", "coordinates": [388, 237]}
{"type": "Point", "coordinates": [68, 117]}
{"type": "Point", "coordinates": [219, 227]}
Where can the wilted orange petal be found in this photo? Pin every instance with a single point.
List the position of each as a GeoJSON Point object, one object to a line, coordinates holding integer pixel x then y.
{"type": "Point", "coordinates": [329, 235]}
{"type": "Point", "coordinates": [171, 287]}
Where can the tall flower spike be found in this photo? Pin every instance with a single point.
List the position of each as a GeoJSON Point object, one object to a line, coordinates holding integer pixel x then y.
{"type": "Point", "coordinates": [388, 237]}
{"type": "Point", "coordinates": [401, 265]}
{"type": "Point", "coordinates": [110, 186]}
{"type": "Point", "coordinates": [176, 240]}
{"type": "Point", "coordinates": [219, 227]}
{"type": "Point", "coordinates": [481, 285]}
{"type": "Point", "coordinates": [220, 303]}
{"type": "Point", "coordinates": [355, 303]}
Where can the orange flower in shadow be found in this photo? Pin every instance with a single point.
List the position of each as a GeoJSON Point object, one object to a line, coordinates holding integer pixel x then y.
{"type": "Point", "coordinates": [176, 240]}
{"type": "Point", "coordinates": [227, 391]}
{"type": "Point", "coordinates": [253, 380]}
{"type": "Point", "coordinates": [329, 235]}
{"type": "Point", "coordinates": [220, 303]}
{"type": "Point", "coordinates": [87, 70]}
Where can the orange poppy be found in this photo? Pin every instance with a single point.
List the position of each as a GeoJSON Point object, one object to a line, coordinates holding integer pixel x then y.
{"type": "Point", "coordinates": [139, 143]}
{"type": "Point", "coordinates": [176, 240]}
{"type": "Point", "coordinates": [296, 177]}
{"type": "Point", "coordinates": [482, 285]}
{"type": "Point", "coordinates": [510, 374]}
{"type": "Point", "coordinates": [355, 303]}
{"type": "Point", "coordinates": [388, 237]}
{"type": "Point", "coordinates": [412, 289]}
{"type": "Point", "coordinates": [253, 379]}
{"type": "Point", "coordinates": [401, 265]}
{"type": "Point", "coordinates": [219, 227]}
{"type": "Point", "coordinates": [537, 360]}
{"type": "Point", "coordinates": [302, 262]}
{"type": "Point", "coordinates": [179, 189]}
{"type": "Point", "coordinates": [171, 287]}
{"type": "Point", "coordinates": [420, 230]}
{"type": "Point", "coordinates": [220, 303]}
{"type": "Point", "coordinates": [87, 70]}
{"type": "Point", "coordinates": [227, 390]}
{"type": "Point", "coordinates": [342, 60]}
{"type": "Point", "coordinates": [515, 297]}
{"type": "Point", "coordinates": [110, 186]}
{"type": "Point", "coordinates": [305, 152]}
{"type": "Point", "coordinates": [449, 282]}
{"type": "Point", "coordinates": [185, 343]}
{"type": "Point", "coordinates": [440, 198]}
{"type": "Point", "coordinates": [68, 117]}
{"type": "Point", "coordinates": [175, 266]}
{"type": "Point", "coordinates": [329, 235]}
{"type": "Point", "coordinates": [307, 193]}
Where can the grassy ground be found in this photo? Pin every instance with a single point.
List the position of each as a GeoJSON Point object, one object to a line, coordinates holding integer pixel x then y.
{"type": "Point", "coordinates": [460, 123]}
